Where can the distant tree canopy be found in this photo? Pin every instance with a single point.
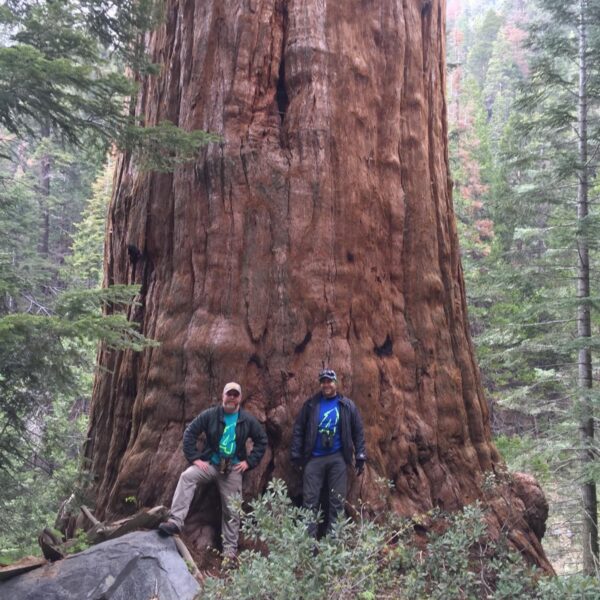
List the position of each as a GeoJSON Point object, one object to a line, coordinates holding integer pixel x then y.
{"type": "Point", "coordinates": [517, 138]}
{"type": "Point", "coordinates": [62, 73]}
{"type": "Point", "coordinates": [55, 71]}
{"type": "Point", "coordinates": [68, 70]}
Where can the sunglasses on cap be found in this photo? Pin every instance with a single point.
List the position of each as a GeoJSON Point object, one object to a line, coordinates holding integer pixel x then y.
{"type": "Point", "coordinates": [327, 374]}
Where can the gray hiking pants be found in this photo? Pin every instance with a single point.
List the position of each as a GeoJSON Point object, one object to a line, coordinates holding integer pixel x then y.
{"type": "Point", "coordinates": [229, 485]}
{"type": "Point", "coordinates": [329, 471]}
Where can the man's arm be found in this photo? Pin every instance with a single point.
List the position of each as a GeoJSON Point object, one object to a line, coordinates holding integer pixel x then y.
{"type": "Point", "coordinates": [259, 443]}
{"type": "Point", "coordinates": [297, 446]}
{"type": "Point", "coordinates": [190, 436]}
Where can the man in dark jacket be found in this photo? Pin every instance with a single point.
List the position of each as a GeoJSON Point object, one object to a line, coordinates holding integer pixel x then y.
{"type": "Point", "coordinates": [222, 460]}
{"type": "Point", "coordinates": [327, 432]}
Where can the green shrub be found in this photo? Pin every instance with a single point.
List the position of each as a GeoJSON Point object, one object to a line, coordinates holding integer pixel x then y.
{"type": "Point", "coordinates": [371, 560]}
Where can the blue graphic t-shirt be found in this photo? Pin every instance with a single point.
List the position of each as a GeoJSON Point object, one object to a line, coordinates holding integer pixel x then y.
{"type": "Point", "coordinates": [328, 427]}
{"type": "Point", "coordinates": [227, 446]}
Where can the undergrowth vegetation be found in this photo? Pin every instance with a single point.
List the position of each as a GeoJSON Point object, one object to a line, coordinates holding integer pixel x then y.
{"type": "Point", "coordinates": [381, 559]}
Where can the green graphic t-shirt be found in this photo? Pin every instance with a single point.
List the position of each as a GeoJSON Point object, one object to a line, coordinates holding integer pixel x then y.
{"type": "Point", "coordinates": [227, 446]}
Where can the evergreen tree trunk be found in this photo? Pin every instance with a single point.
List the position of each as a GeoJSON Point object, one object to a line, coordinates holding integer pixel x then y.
{"type": "Point", "coordinates": [584, 329]}
{"type": "Point", "coordinates": [320, 231]}
{"type": "Point", "coordinates": [44, 197]}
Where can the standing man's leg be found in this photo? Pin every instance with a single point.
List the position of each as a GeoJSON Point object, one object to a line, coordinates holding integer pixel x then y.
{"type": "Point", "coordinates": [184, 492]}
{"type": "Point", "coordinates": [337, 476]}
{"type": "Point", "coordinates": [230, 485]}
{"type": "Point", "coordinates": [312, 482]}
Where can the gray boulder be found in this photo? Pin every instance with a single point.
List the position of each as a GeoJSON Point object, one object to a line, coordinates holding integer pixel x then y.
{"type": "Point", "coordinates": [137, 566]}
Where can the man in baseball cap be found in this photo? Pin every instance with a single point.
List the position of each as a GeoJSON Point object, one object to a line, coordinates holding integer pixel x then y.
{"type": "Point", "coordinates": [328, 437]}
{"type": "Point", "coordinates": [223, 460]}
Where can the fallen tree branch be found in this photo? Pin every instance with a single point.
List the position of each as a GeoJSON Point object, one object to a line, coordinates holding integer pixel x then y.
{"type": "Point", "coordinates": [185, 554]}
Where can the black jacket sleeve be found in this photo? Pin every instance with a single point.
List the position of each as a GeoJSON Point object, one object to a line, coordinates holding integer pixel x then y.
{"type": "Point", "coordinates": [259, 441]}
{"type": "Point", "coordinates": [358, 436]}
{"type": "Point", "coordinates": [298, 434]}
{"type": "Point", "coordinates": [190, 436]}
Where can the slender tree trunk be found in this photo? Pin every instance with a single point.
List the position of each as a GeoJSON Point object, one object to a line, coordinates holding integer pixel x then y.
{"type": "Point", "coordinates": [44, 196]}
{"type": "Point", "coordinates": [319, 231]}
{"type": "Point", "coordinates": [584, 329]}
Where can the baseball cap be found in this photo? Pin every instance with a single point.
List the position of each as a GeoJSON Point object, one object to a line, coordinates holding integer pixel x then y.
{"type": "Point", "coordinates": [327, 374]}
{"type": "Point", "coordinates": [232, 386]}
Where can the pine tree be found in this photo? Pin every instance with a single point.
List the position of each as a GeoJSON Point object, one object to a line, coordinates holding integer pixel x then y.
{"type": "Point", "coordinates": [564, 91]}
{"type": "Point", "coordinates": [61, 104]}
{"type": "Point", "coordinates": [83, 267]}
{"type": "Point", "coordinates": [523, 294]}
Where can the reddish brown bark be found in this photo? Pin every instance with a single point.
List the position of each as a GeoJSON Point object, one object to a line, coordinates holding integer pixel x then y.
{"type": "Point", "coordinates": [320, 231]}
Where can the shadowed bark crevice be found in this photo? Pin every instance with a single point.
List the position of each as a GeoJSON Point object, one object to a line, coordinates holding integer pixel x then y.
{"type": "Point", "coordinates": [282, 97]}
{"type": "Point", "coordinates": [256, 360]}
{"type": "Point", "coordinates": [302, 345]}
{"type": "Point", "coordinates": [386, 349]}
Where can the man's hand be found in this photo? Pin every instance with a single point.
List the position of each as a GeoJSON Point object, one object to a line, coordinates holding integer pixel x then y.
{"type": "Point", "coordinates": [241, 466]}
{"type": "Point", "coordinates": [202, 465]}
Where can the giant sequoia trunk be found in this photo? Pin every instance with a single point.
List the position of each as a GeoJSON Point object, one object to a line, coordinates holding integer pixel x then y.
{"type": "Point", "coordinates": [319, 231]}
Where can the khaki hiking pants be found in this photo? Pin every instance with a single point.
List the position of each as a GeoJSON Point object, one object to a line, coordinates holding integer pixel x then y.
{"type": "Point", "coordinates": [229, 485]}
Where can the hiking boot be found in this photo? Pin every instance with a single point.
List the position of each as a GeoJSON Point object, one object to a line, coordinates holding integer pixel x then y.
{"type": "Point", "coordinates": [168, 528]}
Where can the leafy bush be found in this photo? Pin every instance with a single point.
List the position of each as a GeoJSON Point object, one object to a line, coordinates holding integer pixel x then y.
{"type": "Point", "coordinates": [370, 560]}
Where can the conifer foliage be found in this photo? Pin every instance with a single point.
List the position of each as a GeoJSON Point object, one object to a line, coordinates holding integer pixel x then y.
{"type": "Point", "coordinates": [532, 283]}
{"type": "Point", "coordinates": [564, 91]}
{"type": "Point", "coordinates": [64, 100]}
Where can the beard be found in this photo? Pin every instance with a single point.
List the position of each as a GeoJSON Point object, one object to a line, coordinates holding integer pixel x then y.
{"type": "Point", "coordinates": [231, 405]}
